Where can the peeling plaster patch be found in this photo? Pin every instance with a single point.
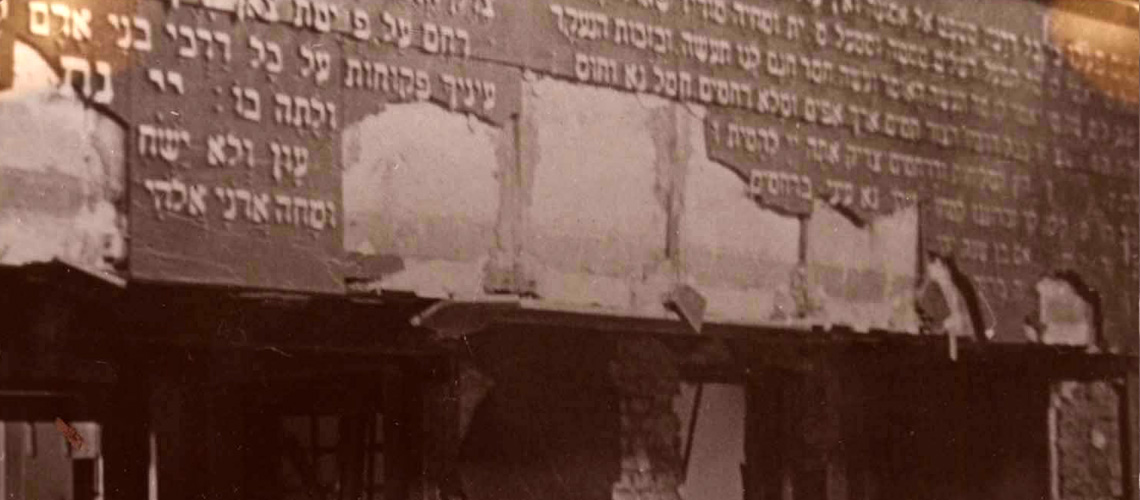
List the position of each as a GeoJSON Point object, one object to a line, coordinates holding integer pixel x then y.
{"type": "Point", "coordinates": [737, 304]}
{"type": "Point", "coordinates": [437, 279]}
{"type": "Point", "coordinates": [728, 241]}
{"type": "Point", "coordinates": [649, 294]}
{"type": "Point", "coordinates": [959, 322]}
{"type": "Point", "coordinates": [594, 207]}
{"type": "Point", "coordinates": [421, 182]}
{"type": "Point", "coordinates": [867, 275]}
{"type": "Point", "coordinates": [1066, 317]}
{"type": "Point", "coordinates": [736, 253]}
{"type": "Point", "coordinates": [31, 75]}
{"type": "Point", "coordinates": [61, 173]}
{"type": "Point", "coordinates": [1086, 440]}
{"type": "Point", "coordinates": [226, 5]}
{"type": "Point", "coordinates": [577, 287]}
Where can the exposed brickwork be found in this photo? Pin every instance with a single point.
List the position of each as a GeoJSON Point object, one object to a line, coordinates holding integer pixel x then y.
{"type": "Point", "coordinates": [1086, 441]}
{"type": "Point", "coordinates": [647, 380]}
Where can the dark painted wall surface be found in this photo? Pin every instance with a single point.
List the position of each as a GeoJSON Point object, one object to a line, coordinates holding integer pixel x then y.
{"type": "Point", "coordinates": [797, 162]}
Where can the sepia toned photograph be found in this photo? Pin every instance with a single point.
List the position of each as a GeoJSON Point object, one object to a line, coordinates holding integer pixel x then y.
{"type": "Point", "coordinates": [569, 249]}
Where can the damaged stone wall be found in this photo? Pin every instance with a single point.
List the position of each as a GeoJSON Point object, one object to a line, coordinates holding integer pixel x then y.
{"type": "Point", "coordinates": [423, 183]}
{"type": "Point", "coordinates": [62, 173]}
{"type": "Point", "coordinates": [610, 196]}
{"type": "Point", "coordinates": [545, 424]}
{"type": "Point", "coordinates": [1086, 436]}
{"type": "Point", "coordinates": [660, 212]}
{"type": "Point", "coordinates": [566, 192]}
{"type": "Point", "coordinates": [539, 419]}
{"type": "Point", "coordinates": [648, 382]}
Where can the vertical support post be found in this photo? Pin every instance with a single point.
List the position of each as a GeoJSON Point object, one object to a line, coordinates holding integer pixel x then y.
{"type": "Point", "coordinates": [1131, 431]}
{"type": "Point", "coordinates": [395, 432]}
{"type": "Point", "coordinates": [766, 445]}
{"type": "Point", "coordinates": [126, 442]}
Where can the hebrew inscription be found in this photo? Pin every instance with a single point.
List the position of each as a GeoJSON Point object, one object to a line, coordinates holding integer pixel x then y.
{"type": "Point", "coordinates": [1016, 142]}
{"type": "Point", "coordinates": [234, 112]}
{"type": "Point", "coordinates": [990, 123]}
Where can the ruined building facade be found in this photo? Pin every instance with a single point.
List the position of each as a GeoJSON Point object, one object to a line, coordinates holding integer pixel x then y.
{"type": "Point", "coordinates": [627, 250]}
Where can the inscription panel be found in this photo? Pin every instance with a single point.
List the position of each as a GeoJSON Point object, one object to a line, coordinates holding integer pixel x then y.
{"type": "Point", "coordinates": [234, 110]}
{"type": "Point", "coordinates": [990, 117]}
{"type": "Point", "coordinates": [1012, 127]}
{"type": "Point", "coordinates": [235, 138]}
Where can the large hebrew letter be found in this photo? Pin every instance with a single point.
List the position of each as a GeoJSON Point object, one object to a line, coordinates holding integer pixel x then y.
{"type": "Point", "coordinates": [175, 80]}
{"type": "Point", "coordinates": [216, 151]}
{"type": "Point", "coordinates": [283, 215]}
{"type": "Point", "coordinates": [206, 36]}
{"type": "Point", "coordinates": [322, 17]}
{"type": "Point", "coordinates": [168, 144]}
{"type": "Point", "coordinates": [223, 39]}
{"type": "Point", "coordinates": [275, 64]}
{"type": "Point", "coordinates": [462, 36]}
{"type": "Point", "coordinates": [405, 39]}
{"type": "Point", "coordinates": [300, 210]}
{"type": "Point", "coordinates": [39, 23]}
{"type": "Point", "coordinates": [449, 89]}
{"type": "Point", "coordinates": [276, 150]}
{"type": "Point", "coordinates": [318, 215]}
{"type": "Point", "coordinates": [423, 85]}
{"type": "Point", "coordinates": [307, 55]}
{"type": "Point", "coordinates": [324, 63]}
{"type": "Point", "coordinates": [197, 202]}
{"type": "Point", "coordinates": [354, 74]}
{"type": "Point", "coordinates": [191, 50]}
{"type": "Point", "coordinates": [257, 45]}
{"type": "Point", "coordinates": [301, 164]}
{"type": "Point", "coordinates": [332, 213]}
{"type": "Point", "coordinates": [379, 74]}
{"type": "Point", "coordinates": [156, 188]}
{"type": "Point", "coordinates": [73, 66]}
{"type": "Point", "coordinates": [234, 143]}
{"type": "Point", "coordinates": [361, 24]}
{"type": "Point", "coordinates": [254, 112]}
{"type": "Point", "coordinates": [260, 209]}
{"type": "Point", "coordinates": [393, 30]}
{"type": "Point", "coordinates": [107, 93]}
{"type": "Point", "coordinates": [147, 137]}
{"type": "Point", "coordinates": [156, 77]}
{"type": "Point", "coordinates": [302, 13]}
{"type": "Point", "coordinates": [560, 21]}
{"type": "Point", "coordinates": [302, 111]}
{"type": "Point", "coordinates": [284, 108]}
{"type": "Point", "coordinates": [447, 34]}
{"type": "Point", "coordinates": [246, 198]}
{"type": "Point", "coordinates": [142, 43]}
{"type": "Point", "coordinates": [81, 24]}
{"type": "Point", "coordinates": [582, 66]}
{"type": "Point", "coordinates": [121, 24]}
{"type": "Point", "coordinates": [247, 147]}
{"type": "Point", "coordinates": [64, 14]}
{"type": "Point", "coordinates": [178, 196]}
{"type": "Point", "coordinates": [322, 115]}
{"type": "Point", "coordinates": [489, 92]}
{"type": "Point", "coordinates": [431, 38]}
{"type": "Point", "coordinates": [407, 82]}
{"type": "Point", "coordinates": [226, 194]}
{"type": "Point", "coordinates": [265, 10]}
